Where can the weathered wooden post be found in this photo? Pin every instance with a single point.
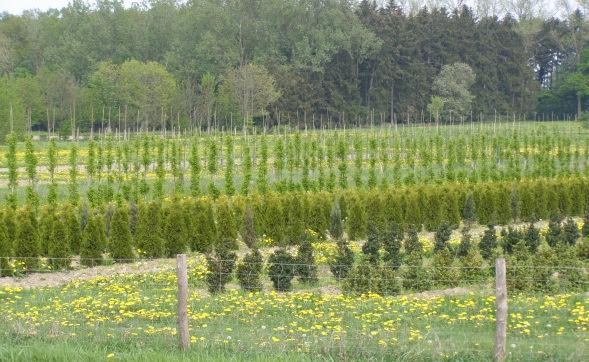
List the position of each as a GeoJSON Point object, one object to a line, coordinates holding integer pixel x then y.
{"type": "Point", "coordinates": [182, 273]}
{"type": "Point", "coordinates": [501, 305]}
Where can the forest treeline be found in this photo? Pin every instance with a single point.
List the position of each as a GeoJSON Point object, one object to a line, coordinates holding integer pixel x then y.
{"type": "Point", "coordinates": [202, 62]}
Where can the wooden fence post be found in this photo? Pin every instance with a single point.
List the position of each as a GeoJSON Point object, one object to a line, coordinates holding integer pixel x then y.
{"type": "Point", "coordinates": [182, 273]}
{"type": "Point", "coordinates": [501, 305]}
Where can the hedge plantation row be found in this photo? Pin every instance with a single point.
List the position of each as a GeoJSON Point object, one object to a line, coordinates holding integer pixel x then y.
{"type": "Point", "coordinates": [155, 229]}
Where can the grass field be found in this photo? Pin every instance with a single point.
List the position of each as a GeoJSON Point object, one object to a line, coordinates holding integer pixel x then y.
{"type": "Point", "coordinates": [132, 317]}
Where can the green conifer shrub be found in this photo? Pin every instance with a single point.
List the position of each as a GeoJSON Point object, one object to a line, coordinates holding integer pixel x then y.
{"type": "Point", "coordinates": [371, 248]}
{"type": "Point", "coordinates": [93, 241]}
{"type": "Point", "coordinates": [416, 276]}
{"type": "Point", "coordinates": [249, 269]}
{"type": "Point", "coordinates": [59, 247]}
{"type": "Point", "coordinates": [27, 238]}
{"type": "Point", "coordinates": [532, 238]}
{"type": "Point", "coordinates": [570, 232]}
{"type": "Point", "coordinates": [392, 241]}
{"type": "Point", "coordinates": [148, 238]}
{"type": "Point", "coordinates": [281, 269]}
{"type": "Point", "coordinates": [488, 242]}
{"type": "Point", "coordinates": [120, 244]}
{"type": "Point", "coordinates": [412, 242]}
{"type": "Point", "coordinates": [442, 236]}
{"type": "Point", "coordinates": [175, 230]}
{"type": "Point", "coordinates": [444, 271]}
{"type": "Point", "coordinates": [306, 267]}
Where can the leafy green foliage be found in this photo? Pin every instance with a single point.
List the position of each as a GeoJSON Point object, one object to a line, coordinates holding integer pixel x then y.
{"type": "Point", "coordinates": [120, 244]}
{"type": "Point", "coordinates": [281, 269]}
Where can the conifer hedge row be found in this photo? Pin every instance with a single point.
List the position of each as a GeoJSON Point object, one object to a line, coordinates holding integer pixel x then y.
{"type": "Point", "coordinates": [164, 228]}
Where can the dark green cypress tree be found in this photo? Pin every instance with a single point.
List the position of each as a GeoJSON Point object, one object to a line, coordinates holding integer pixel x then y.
{"type": "Point", "coordinates": [554, 230]}
{"type": "Point", "coordinates": [412, 242]}
{"type": "Point", "coordinates": [570, 232]}
{"type": "Point", "coordinates": [371, 248]}
{"type": "Point", "coordinates": [27, 239]}
{"type": "Point", "coordinates": [488, 242]}
{"type": "Point", "coordinates": [442, 237]}
{"type": "Point", "coordinates": [532, 238]}
{"type": "Point", "coordinates": [465, 243]}
{"type": "Point", "coordinates": [469, 211]}
{"type": "Point", "coordinates": [281, 269]}
{"type": "Point", "coordinates": [174, 230]}
{"type": "Point", "coordinates": [46, 220]}
{"type": "Point", "coordinates": [249, 269]}
{"type": "Point", "coordinates": [514, 236]}
{"type": "Point", "coordinates": [306, 267]}
{"type": "Point", "coordinates": [148, 231]}
{"type": "Point", "coordinates": [392, 242]}
{"type": "Point", "coordinates": [120, 241]}
{"type": "Point", "coordinates": [93, 241]}
{"type": "Point", "coordinates": [59, 248]}
{"type": "Point", "coordinates": [73, 227]}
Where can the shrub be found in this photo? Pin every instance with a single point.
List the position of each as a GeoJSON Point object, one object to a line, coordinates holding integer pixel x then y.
{"type": "Point", "coordinates": [415, 276]}
{"type": "Point", "coordinates": [392, 245]}
{"type": "Point", "coordinates": [544, 261]}
{"type": "Point", "coordinates": [148, 230]}
{"type": "Point", "coordinates": [465, 243]}
{"type": "Point", "coordinates": [371, 247]}
{"type": "Point", "coordinates": [306, 268]}
{"type": "Point", "coordinates": [488, 242]}
{"type": "Point", "coordinates": [336, 229]}
{"type": "Point", "coordinates": [412, 243]}
{"type": "Point", "coordinates": [46, 221]}
{"type": "Point", "coordinates": [583, 249]}
{"type": "Point", "coordinates": [175, 231]}
{"type": "Point", "coordinates": [444, 272]}
{"type": "Point", "coordinates": [570, 232]}
{"type": "Point", "coordinates": [572, 275]}
{"type": "Point", "coordinates": [512, 238]}
{"type": "Point", "coordinates": [93, 241]}
{"type": "Point", "coordinates": [120, 243]}
{"type": "Point", "coordinates": [27, 238]}
{"type": "Point", "coordinates": [73, 227]}
{"type": "Point", "coordinates": [249, 271]}
{"type": "Point", "coordinates": [472, 266]}
{"type": "Point", "coordinates": [203, 230]}
{"type": "Point", "coordinates": [554, 231]}
{"type": "Point", "coordinates": [343, 260]}
{"type": "Point", "coordinates": [520, 274]}
{"type": "Point", "coordinates": [281, 270]}
{"type": "Point", "coordinates": [250, 268]}
{"type": "Point", "coordinates": [367, 278]}
{"type": "Point", "coordinates": [585, 229]}
{"type": "Point", "coordinates": [469, 211]}
{"type": "Point", "coordinates": [220, 265]}
{"type": "Point", "coordinates": [442, 237]}
{"type": "Point", "coordinates": [532, 238]}
{"type": "Point", "coordinates": [59, 248]}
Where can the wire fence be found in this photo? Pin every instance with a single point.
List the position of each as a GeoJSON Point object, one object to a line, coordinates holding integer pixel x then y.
{"type": "Point", "coordinates": [391, 315]}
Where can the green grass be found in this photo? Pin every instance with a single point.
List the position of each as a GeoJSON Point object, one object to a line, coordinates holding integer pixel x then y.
{"type": "Point", "coordinates": [132, 317]}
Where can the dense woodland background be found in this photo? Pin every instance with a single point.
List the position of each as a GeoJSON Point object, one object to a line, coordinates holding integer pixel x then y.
{"type": "Point", "coordinates": [203, 62]}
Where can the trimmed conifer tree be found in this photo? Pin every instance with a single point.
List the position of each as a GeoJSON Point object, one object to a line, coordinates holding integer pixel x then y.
{"type": "Point", "coordinates": [570, 232]}
{"type": "Point", "coordinates": [148, 238]}
{"type": "Point", "coordinates": [59, 248]}
{"type": "Point", "coordinates": [93, 241]}
{"type": "Point", "coordinates": [412, 242]}
{"type": "Point", "coordinates": [532, 238]}
{"type": "Point", "coordinates": [306, 268]}
{"type": "Point", "coordinates": [27, 238]}
{"type": "Point", "coordinates": [554, 230]}
{"type": "Point", "coordinates": [5, 246]}
{"type": "Point", "coordinates": [73, 227]}
{"type": "Point", "coordinates": [120, 244]}
{"type": "Point", "coordinates": [488, 242]}
{"type": "Point", "coordinates": [465, 243]}
{"type": "Point", "coordinates": [281, 269]}
{"type": "Point", "coordinates": [444, 272]}
{"type": "Point", "coordinates": [442, 237]}
{"type": "Point", "coordinates": [46, 221]}
{"type": "Point", "coordinates": [174, 230]}
{"type": "Point", "coordinates": [469, 211]}
{"type": "Point", "coordinates": [392, 241]}
{"type": "Point", "coordinates": [371, 247]}
{"type": "Point", "coordinates": [250, 268]}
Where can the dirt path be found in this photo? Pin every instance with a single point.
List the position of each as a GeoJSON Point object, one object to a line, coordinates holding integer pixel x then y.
{"type": "Point", "coordinates": [54, 279]}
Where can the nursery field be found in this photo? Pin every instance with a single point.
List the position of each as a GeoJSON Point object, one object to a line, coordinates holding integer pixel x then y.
{"type": "Point", "coordinates": [361, 244]}
{"type": "Point", "coordinates": [146, 166]}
